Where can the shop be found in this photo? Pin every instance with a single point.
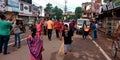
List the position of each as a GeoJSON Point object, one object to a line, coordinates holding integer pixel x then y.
{"type": "Point", "coordinates": [12, 9]}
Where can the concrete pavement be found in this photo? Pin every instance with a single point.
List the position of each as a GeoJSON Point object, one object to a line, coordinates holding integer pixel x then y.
{"type": "Point", "coordinates": [81, 50]}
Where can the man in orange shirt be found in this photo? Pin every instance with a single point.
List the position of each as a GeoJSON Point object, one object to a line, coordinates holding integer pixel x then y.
{"type": "Point", "coordinates": [50, 25]}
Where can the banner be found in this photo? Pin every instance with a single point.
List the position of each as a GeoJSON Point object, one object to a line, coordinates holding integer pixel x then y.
{"type": "Point", "coordinates": [2, 6]}
{"type": "Point", "coordinates": [116, 3]}
{"type": "Point", "coordinates": [13, 3]}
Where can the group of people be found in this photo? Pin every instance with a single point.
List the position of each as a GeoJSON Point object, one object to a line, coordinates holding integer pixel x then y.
{"type": "Point", "coordinates": [93, 27]}
{"type": "Point", "coordinates": [35, 42]}
{"type": "Point", "coordinates": [6, 30]}
{"type": "Point", "coordinates": [64, 32]}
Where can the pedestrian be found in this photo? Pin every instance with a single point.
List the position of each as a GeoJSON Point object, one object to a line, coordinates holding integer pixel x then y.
{"type": "Point", "coordinates": [58, 27]}
{"type": "Point", "coordinates": [4, 33]}
{"type": "Point", "coordinates": [38, 27]}
{"type": "Point", "coordinates": [85, 30]}
{"type": "Point", "coordinates": [35, 45]}
{"type": "Point", "coordinates": [50, 25]}
{"type": "Point", "coordinates": [94, 30]}
{"type": "Point", "coordinates": [67, 36]}
{"type": "Point", "coordinates": [45, 27]}
{"type": "Point", "coordinates": [16, 30]}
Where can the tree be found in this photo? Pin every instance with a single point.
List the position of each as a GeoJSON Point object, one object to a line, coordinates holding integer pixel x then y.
{"type": "Point", "coordinates": [78, 12]}
{"type": "Point", "coordinates": [49, 8]}
{"type": "Point", "coordinates": [57, 12]}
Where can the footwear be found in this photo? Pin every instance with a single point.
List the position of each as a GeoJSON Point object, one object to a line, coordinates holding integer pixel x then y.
{"type": "Point", "coordinates": [65, 53]}
{"type": "Point", "coordinates": [18, 47]}
{"type": "Point", "coordinates": [6, 53]}
{"type": "Point", "coordinates": [14, 46]}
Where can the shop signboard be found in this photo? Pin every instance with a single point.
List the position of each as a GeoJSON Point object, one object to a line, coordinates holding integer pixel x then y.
{"type": "Point", "coordinates": [110, 5]}
{"type": "Point", "coordinates": [2, 5]}
{"type": "Point", "coordinates": [116, 3]}
{"type": "Point", "coordinates": [13, 3]}
{"type": "Point", "coordinates": [95, 7]}
{"type": "Point", "coordinates": [104, 7]}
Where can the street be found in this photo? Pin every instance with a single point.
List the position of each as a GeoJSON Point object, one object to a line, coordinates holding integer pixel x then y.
{"type": "Point", "coordinates": [81, 49]}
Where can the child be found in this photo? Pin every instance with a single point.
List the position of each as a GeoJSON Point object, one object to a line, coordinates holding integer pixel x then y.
{"type": "Point", "coordinates": [67, 36]}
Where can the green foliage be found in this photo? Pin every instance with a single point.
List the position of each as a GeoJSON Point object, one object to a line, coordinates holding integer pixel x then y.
{"type": "Point", "coordinates": [55, 12]}
{"type": "Point", "coordinates": [49, 7]}
{"type": "Point", "coordinates": [78, 12]}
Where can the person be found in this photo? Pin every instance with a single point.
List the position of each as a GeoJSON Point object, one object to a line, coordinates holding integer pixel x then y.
{"type": "Point", "coordinates": [45, 27]}
{"type": "Point", "coordinates": [16, 31]}
{"type": "Point", "coordinates": [84, 27]}
{"type": "Point", "coordinates": [58, 27]}
{"type": "Point", "coordinates": [38, 28]}
{"type": "Point", "coordinates": [94, 30]}
{"type": "Point", "coordinates": [50, 25]}
{"type": "Point", "coordinates": [72, 25]}
{"type": "Point", "coordinates": [35, 45]}
{"type": "Point", "coordinates": [117, 33]}
{"type": "Point", "coordinates": [67, 36]}
{"type": "Point", "coordinates": [4, 33]}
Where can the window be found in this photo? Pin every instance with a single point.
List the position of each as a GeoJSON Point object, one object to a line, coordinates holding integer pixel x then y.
{"type": "Point", "coordinates": [21, 7]}
{"type": "Point", "coordinates": [30, 9]}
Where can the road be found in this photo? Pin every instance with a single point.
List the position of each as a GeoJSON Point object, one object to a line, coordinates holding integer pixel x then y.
{"type": "Point", "coordinates": [99, 49]}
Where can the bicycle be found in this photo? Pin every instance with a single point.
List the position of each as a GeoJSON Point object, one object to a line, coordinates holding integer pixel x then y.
{"type": "Point", "coordinates": [115, 47]}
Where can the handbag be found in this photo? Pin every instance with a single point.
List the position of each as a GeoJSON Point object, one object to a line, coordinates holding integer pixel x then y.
{"type": "Point", "coordinates": [86, 29]}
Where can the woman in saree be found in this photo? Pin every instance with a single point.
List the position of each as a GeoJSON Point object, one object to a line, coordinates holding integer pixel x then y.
{"type": "Point", "coordinates": [35, 45]}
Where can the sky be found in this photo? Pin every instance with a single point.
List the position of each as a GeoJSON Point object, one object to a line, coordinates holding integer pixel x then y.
{"type": "Point", "coordinates": [71, 4]}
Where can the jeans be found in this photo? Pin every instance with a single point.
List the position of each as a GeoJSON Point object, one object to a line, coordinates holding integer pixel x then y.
{"type": "Point", "coordinates": [17, 38]}
{"type": "Point", "coordinates": [4, 41]}
{"type": "Point", "coordinates": [49, 34]}
{"type": "Point", "coordinates": [67, 47]}
{"type": "Point", "coordinates": [94, 34]}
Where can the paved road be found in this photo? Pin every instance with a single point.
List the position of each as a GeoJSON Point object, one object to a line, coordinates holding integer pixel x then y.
{"type": "Point", "coordinates": [81, 49]}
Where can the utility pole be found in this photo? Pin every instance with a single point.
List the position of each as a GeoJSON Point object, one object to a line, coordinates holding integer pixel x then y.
{"type": "Point", "coordinates": [65, 6]}
{"type": "Point", "coordinates": [65, 10]}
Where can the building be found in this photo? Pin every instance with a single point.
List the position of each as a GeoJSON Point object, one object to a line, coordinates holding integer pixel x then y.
{"type": "Point", "coordinates": [110, 16]}
{"type": "Point", "coordinates": [11, 10]}
{"type": "Point", "coordinates": [2, 5]}
{"type": "Point", "coordinates": [27, 11]}
{"type": "Point", "coordinates": [86, 10]}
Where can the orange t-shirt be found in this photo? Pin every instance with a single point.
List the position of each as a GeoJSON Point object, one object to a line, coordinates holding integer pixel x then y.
{"type": "Point", "coordinates": [50, 24]}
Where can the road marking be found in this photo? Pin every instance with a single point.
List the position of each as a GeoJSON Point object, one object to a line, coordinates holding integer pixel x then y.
{"type": "Point", "coordinates": [12, 36]}
{"type": "Point", "coordinates": [13, 42]}
{"type": "Point", "coordinates": [103, 52]}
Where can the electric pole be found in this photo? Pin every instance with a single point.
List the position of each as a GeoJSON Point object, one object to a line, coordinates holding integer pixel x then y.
{"type": "Point", "coordinates": [65, 6]}
{"type": "Point", "coordinates": [65, 10]}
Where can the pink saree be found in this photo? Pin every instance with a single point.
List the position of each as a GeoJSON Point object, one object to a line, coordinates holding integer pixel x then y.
{"type": "Point", "coordinates": [35, 46]}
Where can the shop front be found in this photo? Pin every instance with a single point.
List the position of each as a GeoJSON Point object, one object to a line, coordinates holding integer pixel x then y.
{"type": "Point", "coordinates": [12, 9]}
